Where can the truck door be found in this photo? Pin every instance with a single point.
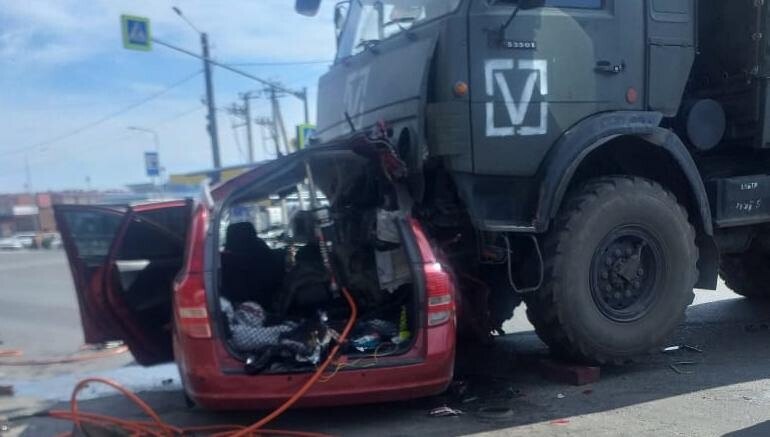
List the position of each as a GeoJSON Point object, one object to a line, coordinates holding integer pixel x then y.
{"type": "Point", "coordinates": [123, 261]}
{"type": "Point", "coordinates": [382, 64]}
{"type": "Point", "coordinates": [552, 67]}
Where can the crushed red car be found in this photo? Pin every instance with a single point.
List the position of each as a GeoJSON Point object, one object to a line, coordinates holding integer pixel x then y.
{"type": "Point", "coordinates": [241, 301]}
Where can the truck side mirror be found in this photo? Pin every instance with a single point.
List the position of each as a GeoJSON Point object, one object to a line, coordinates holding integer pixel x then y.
{"type": "Point", "coordinates": [307, 7]}
{"type": "Point", "coordinates": [531, 4]}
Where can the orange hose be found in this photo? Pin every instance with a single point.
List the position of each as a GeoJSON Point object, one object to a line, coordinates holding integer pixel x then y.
{"type": "Point", "coordinates": [310, 382]}
{"type": "Point", "coordinates": [158, 428]}
{"type": "Point", "coordinates": [10, 353]}
{"type": "Point", "coordinates": [65, 360]}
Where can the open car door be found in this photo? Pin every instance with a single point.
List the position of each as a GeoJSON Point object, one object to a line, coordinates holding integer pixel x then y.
{"type": "Point", "coordinates": [123, 261]}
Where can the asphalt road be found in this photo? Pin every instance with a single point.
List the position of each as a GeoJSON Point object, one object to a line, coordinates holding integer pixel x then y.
{"type": "Point", "coordinates": [726, 391]}
{"type": "Point", "coordinates": [39, 312]}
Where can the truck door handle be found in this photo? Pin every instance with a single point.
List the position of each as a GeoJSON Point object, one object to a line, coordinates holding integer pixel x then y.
{"type": "Point", "coordinates": [610, 68]}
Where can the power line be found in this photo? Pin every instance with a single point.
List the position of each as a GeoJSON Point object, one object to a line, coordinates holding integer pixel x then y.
{"type": "Point", "coordinates": [279, 64]}
{"type": "Point", "coordinates": [104, 119]}
{"type": "Point", "coordinates": [178, 116]}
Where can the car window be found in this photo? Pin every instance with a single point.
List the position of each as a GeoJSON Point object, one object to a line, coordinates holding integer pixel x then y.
{"type": "Point", "coordinates": [144, 240]}
{"type": "Point", "coordinates": [371, 21]}
{"type": "Point", "coordinates": [92, 233]}
{"type": "Point", "coordinates": [173, 220]}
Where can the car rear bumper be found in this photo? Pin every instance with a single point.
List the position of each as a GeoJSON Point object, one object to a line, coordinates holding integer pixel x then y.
{"type": "Point", "coordinates": [212, 389]}
{"type": "Point", "coordinates": [346, 388]}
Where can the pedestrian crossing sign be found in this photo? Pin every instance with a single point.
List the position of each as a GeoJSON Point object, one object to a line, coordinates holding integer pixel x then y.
{"type": "Point", "coordinates": [136, 33]}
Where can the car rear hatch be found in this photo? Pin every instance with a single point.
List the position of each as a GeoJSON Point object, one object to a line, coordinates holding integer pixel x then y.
{"type": "Point", "coordinates": [379, 252]}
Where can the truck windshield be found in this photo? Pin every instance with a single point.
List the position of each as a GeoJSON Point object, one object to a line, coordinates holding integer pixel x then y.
{"type": "Point", "coordinates": [371, 21]}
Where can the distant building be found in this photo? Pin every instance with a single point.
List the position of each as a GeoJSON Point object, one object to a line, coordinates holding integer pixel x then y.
{"type": "Point", "coordinates": [34, 212]}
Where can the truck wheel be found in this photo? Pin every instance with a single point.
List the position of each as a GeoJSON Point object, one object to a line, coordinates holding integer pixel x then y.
{"type": "Point", "coordinates": [620, 265]}
{"type": "Point", "coordinates": [747, 274]}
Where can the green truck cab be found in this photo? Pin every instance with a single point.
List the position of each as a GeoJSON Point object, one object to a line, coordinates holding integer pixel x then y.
{"type": "Point", "coordinates": [597, 159]}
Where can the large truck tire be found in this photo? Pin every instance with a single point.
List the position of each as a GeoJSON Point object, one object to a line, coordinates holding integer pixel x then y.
{"type": "Point", "coordinates": [747, 274]}
{"type": "Point", "coordinates": [620, 267]}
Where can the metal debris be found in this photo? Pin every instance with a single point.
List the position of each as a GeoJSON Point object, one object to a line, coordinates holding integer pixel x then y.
{"type": "Point", "coordinates": [682, 347]}
{"type": "Point", "coordinates": [445, 411]}
{"type": "Point", "coordinates": [7, 390]}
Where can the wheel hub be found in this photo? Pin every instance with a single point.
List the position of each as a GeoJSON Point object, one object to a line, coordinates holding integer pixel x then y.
{"type": "Point", "coordinates": [624, 273]}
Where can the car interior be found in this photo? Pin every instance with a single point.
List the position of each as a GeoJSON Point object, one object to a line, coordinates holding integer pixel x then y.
{"type": "Point", "coordinates": [280, 309]}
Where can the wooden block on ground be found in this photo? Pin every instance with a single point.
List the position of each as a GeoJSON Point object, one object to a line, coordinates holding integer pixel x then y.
{"type": "Point", "coordinates": [567, 373]}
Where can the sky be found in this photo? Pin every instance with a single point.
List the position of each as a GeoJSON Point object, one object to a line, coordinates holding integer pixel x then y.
{"type": "Point", "coordinates": [67, 85]}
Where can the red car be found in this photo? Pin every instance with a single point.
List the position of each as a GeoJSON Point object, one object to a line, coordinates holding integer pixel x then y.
{"type": "Point", "coordinates": [164, 278]}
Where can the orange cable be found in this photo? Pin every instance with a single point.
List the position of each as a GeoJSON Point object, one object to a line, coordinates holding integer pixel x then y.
{"type": "Point", "coordinates": [158, 428]}
{"type": "Point", "coordinates": [310, 382]}
{"type": "Point", "coordinates": [64, 360]}
{"type": "Point", "coordinates": [10, 353]}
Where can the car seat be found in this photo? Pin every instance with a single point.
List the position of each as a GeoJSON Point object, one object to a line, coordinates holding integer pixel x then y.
{"type": "Point", "coordinates": [251, 271]}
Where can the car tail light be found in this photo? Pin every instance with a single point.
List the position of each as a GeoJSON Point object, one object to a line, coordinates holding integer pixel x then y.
{"type": "Point", "coordinates": [438, 283]}
{"type": "Point", "coordinates": [191, 303]}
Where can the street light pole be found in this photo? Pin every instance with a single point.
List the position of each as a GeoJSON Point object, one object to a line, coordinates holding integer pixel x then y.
{"type": "Point", "coordinates": [156, 141]}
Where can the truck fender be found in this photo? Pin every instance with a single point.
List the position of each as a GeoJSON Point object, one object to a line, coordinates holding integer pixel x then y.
{"type": "Point", "coordinates": [563, 160]}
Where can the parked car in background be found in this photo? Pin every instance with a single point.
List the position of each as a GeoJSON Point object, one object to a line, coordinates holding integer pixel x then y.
{"type": "Point", "coordinates": [11, 243]}
{"type": "Point", "coordinates": [28, 240]}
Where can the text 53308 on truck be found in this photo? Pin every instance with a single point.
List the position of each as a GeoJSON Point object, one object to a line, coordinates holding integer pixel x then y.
{"type": "Point", "coordinates": [595, 158]}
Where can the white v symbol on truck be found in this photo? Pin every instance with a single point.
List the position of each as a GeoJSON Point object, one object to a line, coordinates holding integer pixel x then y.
{"type": "Point", "coordinates": [517, 111]}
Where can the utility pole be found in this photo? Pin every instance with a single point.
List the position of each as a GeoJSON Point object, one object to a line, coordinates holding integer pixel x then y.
{"type": "Point", "coordinates": [264, 139]}
{"type": "Point", "coordinates": [28, 176]}
{"type": "Point", "coordinates": [274, 87]}
{"type": "Point", "coordinates": [268, 123]}
{"type": "Point", "coordinates": [249, 133]}
{"type": "Point", "coordinates": [278, 118]}
{"type": "Point", "coordinates": [303, 97]}
{"type": "Point", "coordinates": [212, 116]}
{"type": "Point", "coordinates": [244, 113]}
{"type": "Point", "coordinates": [207, 62]}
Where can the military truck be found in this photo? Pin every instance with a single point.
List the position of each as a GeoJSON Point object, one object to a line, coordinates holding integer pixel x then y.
{"type": "Point", "coordinates": [597, 159]}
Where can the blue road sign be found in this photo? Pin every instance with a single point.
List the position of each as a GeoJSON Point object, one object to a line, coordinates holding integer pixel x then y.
{"type": "Point", "coordinates": [152, 164]}
{"type": "Point", "coordinates": [136, 32]}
